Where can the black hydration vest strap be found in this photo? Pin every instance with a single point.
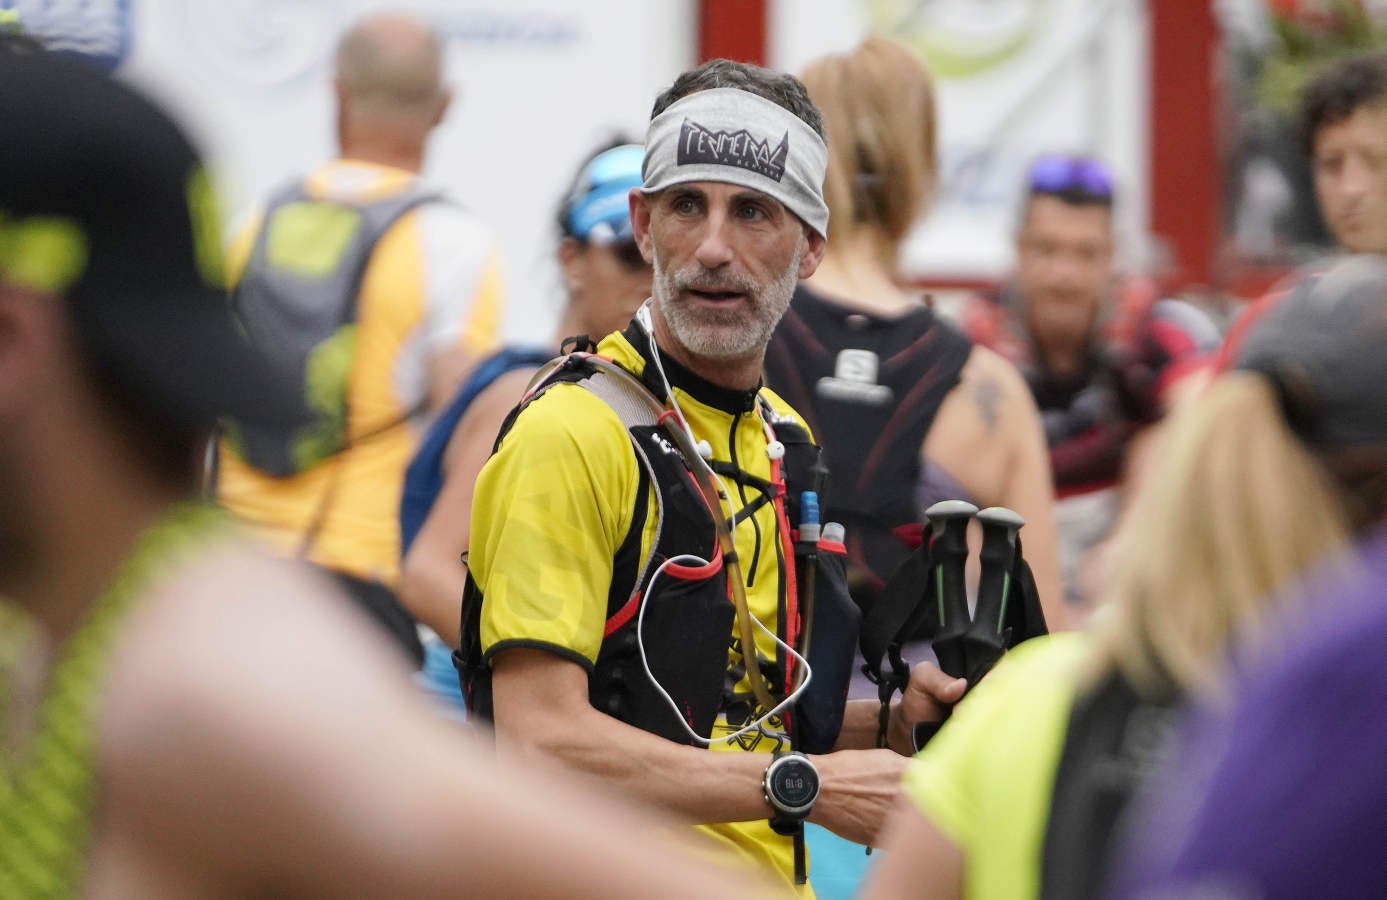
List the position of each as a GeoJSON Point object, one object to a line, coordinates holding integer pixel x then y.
{"type": "Point", "coordinates": [1114, 741]}
{"type": "Point", "coordinates": [870, 387]}
{"type": "Point", "coordinates": [905, 607]}
{"type": "Point", "coordinates": [909, 607]}
{"type": "Point", "coordinates": [698, 616]}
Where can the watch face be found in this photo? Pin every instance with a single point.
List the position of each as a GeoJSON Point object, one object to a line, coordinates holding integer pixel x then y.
{"type": "Point", "coordinates": [794, 783]}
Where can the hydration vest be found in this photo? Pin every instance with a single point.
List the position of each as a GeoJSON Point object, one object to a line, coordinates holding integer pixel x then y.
{"type": "Point", "coordinates": [688, 619]}
{"type": "Point", "coordinates": [870, 388]}
{"type": "Point", "coordinates": [297, 301]}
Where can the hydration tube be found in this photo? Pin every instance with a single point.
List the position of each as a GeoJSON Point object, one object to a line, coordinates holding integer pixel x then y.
{"type": "Point", "coordinates": [713, 495]}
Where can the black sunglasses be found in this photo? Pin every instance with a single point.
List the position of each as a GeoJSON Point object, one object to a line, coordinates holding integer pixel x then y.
{"type": "Point", "coordinates": [629, 255]}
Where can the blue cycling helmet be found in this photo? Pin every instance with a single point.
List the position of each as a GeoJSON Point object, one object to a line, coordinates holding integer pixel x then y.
{"type": "Point", "coordinates": [596, 210]}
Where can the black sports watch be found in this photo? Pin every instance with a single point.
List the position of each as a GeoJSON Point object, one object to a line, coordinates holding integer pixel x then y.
{"type": "Point", "coordinates": [790, 785]}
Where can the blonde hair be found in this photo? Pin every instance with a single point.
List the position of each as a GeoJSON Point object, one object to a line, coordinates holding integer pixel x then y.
{"type": "Point", "coordinates": [878, 108]}
{"type": "Point", "coordinates": [1236, 508]}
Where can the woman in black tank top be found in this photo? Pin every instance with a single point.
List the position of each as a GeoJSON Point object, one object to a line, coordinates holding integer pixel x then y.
{"type": "Point", "coordinates": [866, 360]}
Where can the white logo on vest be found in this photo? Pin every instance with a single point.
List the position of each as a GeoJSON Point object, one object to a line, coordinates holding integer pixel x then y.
{"type": "Point", "coordinates": [854, 380]}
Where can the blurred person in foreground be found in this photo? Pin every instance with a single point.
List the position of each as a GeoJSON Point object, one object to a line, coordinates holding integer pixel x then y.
{"type": "Point", "coordinates": [605, 280]}
{"type": "Point", "coordinates": [1280, 793]}
{"type": "Point", "coordinates": [181, 716]}
{"type": "Point", "coordinates": [909, 411]}
{"type": "Point", "coordinates": [641, 516]}
{"type": "Point", "coordinates": [1269, 471]}
{"type": "Point", "coordinates": [380, 293]}
{"type": "Point", "coordinates": [1101, 355]}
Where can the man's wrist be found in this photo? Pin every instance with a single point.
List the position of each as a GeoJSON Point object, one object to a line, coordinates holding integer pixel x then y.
{"type": "Point", "coordinates": [790, 787]}
{"type": "Point", "coordinates": [898, 732]}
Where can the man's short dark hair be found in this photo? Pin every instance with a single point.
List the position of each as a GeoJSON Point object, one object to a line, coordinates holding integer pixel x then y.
{"type": "Point", "coordinates": [780, 88]}
{"type": "Point", "coordinates": [1336, 93]}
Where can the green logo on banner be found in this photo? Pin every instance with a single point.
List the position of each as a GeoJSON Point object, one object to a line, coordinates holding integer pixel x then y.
{"type": "Point", "coordinates": [960, 38]}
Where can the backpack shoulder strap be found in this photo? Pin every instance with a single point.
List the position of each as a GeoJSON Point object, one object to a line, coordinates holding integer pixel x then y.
{"type": "Point", "coordinates": [1113, 741]}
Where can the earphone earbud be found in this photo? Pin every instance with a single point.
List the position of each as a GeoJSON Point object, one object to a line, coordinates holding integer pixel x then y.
{"type": "Point", "coordinates": [705, 449]}
{"type": "Point", "coordinates": [643, 317]}
{"type": "Point", "coordinates": [775, 450]}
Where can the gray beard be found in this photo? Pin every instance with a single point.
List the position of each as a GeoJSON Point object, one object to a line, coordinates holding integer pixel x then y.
{"type": "Point", "coordinates": [727, 338]}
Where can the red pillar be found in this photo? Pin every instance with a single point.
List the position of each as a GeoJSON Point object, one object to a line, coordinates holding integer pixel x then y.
{"type": "Point", "coordinates": [1185, 162]}
{"type": "Point", "coordinates": [735, 29]}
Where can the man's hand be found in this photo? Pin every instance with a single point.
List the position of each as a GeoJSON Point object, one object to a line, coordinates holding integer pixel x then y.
{"type": "Point", "coordinates": [927, 698]}
{"type": "Point", "coordinates": [858, 788]}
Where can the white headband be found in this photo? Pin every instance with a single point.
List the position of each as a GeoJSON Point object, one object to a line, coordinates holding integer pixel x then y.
{"type": "Point", "coordinates": [734, 136]}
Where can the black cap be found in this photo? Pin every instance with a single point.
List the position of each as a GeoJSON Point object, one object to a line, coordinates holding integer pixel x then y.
{"type": "Point", "coordinates": [1324, 345]}
{"type": "Point", "coordinates": [104, 201]}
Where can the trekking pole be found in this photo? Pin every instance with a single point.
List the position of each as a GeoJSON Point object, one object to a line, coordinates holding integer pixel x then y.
{"type": "Point", "coordinates": [988, 637]}
{"type": "Point", "coordinates": [948, 550]}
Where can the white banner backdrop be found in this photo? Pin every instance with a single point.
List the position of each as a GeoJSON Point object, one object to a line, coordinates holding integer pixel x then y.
{"type": "Point", "coordinates": [1016, 78]}
{"type": "Point", "coordinates": [536, 86]}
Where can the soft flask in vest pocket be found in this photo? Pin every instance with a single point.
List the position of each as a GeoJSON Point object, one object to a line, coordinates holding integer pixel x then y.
{"type": "Point", "coordinates": [683, 623]}
{"type": "Point", "coordinates": [835, 618]}
{"type": "Point", "coordinates": [832, 652]}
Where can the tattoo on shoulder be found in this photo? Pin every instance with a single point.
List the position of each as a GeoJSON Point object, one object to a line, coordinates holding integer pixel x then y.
{"type": "Point", "coordinates": [987, 392]}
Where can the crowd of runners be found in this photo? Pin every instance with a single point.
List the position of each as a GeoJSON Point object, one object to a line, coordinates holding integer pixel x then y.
{"type": "Point", "coordinates": [758, 561]}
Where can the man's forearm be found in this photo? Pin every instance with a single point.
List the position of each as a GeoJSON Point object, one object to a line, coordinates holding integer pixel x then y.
{"type": "Point", "coordinates": [542, 709]}
{"type": "Point", "coordinates": [861, 723]}
{"type": "Point", "coordinates": [695, 784]}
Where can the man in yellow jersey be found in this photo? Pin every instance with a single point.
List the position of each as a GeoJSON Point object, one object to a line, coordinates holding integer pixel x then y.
{"type": "Point", "coordinates": [170, 724]}
{"type": "Point", "coordinates": [380, 293]}
{"type": "Point", "coordinates": [612, 623]}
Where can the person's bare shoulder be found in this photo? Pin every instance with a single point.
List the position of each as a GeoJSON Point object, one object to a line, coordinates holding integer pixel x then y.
{"type": "Point", "coordinates": [233, 626]}
{"type": "Point", "coordinates": [233, 610]}
{"type": "Point", "coordinates": [976, 429]}
{"type": "Point", "coordinates": [477, 429]}
{"type": "Point", "coordinates": [225, 693]}
{"type": "Point", "coordinates": [996, 386]}
{"type": "Point", "coordinates": [259, 738]}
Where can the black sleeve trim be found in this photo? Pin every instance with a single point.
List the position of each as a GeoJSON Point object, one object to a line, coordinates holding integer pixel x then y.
{"type": "Point", "coordinates": [558, 650]}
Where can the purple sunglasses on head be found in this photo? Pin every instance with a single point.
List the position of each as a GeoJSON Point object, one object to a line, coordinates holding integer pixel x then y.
{"type": "Point", "coordinates": [1065, 174]}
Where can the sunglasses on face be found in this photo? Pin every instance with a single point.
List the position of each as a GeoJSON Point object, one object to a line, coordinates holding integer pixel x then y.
{"type": "Point", "coordinates": [1071, 175]}
{"type": "Point", "coordinates": [629, 255]}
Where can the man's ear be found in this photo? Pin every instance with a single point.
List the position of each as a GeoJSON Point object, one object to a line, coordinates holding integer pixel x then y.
{"type": "Point", "coordinates": [445, 99]}
{"type": "Point", "coordinates": [814, 246]}
{"type": "Point", "coordinates": [640, 223]}
{"type": "Point", "coordinates": [570, 254]}
{"type": "Point", "coordinates": [568, 251]}
{"type": "Point", "coordinates": [340, 113]}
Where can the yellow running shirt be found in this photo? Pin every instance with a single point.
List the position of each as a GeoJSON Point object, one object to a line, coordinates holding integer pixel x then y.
{"type": "Point", "coordinates": [433, 283]}
{"type": "Point", "coordinates": [555, 502]}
